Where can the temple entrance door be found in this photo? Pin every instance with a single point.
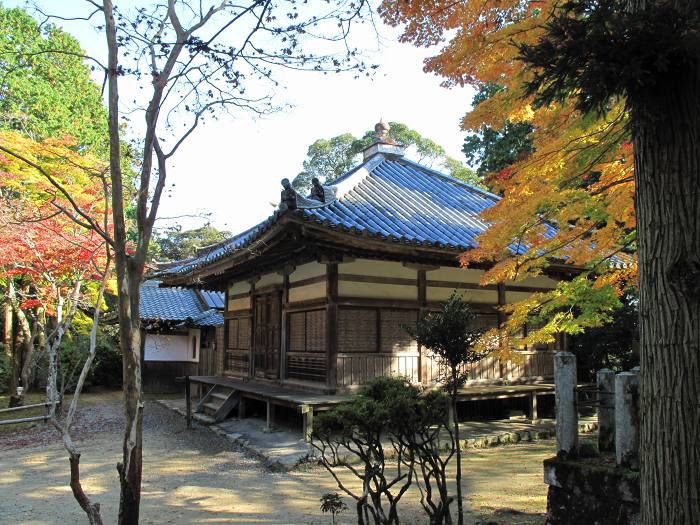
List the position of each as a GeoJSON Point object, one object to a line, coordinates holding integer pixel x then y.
{"type": "Point", "coordinates": [268, 314]}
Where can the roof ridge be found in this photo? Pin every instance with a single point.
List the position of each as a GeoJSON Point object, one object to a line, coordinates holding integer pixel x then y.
{"type": "Point", "coordinates": [453, 179]}
{"type": "Point", "coordinates": [364, 170]}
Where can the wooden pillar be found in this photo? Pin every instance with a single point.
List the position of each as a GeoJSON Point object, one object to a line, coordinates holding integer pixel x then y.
{"type": "Point", "coordinates": [270, 419]}
{"type": "Point", "coordinates": [241, 408]}
{"type": "Point", "coordinates": [284, 335]}
{"type": "Point", "coordinates": [331, 325]}
{"type": "Point", "coordinates": [221, 354]}
{"type": "Point", "coordinates": [505, 368]}
{"type": "Point", "coordinates": [308, 414]}
{"type": "Point", "coordinates": [188, 401]}
{"type": "Point", "coordinates": [251, 346]}
{"type": "Point", "coordinates": [533, 406]}
{"type": "Point", "coordinates": [423, 303]}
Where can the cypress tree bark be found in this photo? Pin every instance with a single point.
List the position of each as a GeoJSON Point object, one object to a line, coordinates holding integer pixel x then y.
{"type": "Point", "coordinates": [666, 134]}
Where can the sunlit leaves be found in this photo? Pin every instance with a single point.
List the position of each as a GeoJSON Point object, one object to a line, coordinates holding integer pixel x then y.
{"type": "Point", "coordinates": [569, 201]}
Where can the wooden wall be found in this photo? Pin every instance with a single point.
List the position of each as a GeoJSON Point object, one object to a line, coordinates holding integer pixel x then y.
{"type": "Point", "coordinates": [159, 376]}
{"type": "Point", "coordinates": [350, 313]}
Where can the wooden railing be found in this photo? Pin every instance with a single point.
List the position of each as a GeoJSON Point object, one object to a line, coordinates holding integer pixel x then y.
{"type": "Point", "coordinates": [45, 417]}
{"type": "Point", "coordinates": [532, 365]}
{"type": "Point", "coordinates": [306, 366]}
{"type": "Point", "coordinates": [356, 368]}
{"type": "Point", "coordinates": [236, 363]}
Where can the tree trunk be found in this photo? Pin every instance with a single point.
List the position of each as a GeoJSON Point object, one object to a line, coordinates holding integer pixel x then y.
{"type": "Point", "coordinates": [666, 132]}
{"type": "Point", "coordinates": [8, 342]}
{"type": "Point", "coordinates": [458, 451]}
{"type": "Point", "coordinates": [129, 272]}
{"type": "Point", "coordinates": [130, 340]}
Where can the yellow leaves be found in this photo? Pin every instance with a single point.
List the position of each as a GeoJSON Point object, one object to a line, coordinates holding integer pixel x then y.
{"type": "Point", "coordinates": [523, 113]}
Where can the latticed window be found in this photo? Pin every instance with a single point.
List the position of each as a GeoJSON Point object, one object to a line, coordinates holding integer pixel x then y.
{"type": "Point", "coordinates": [375, 330]}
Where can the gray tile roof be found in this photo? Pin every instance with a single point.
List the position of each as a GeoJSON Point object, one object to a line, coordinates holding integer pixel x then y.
{"type": "Point", "coordinates": [177, 304]}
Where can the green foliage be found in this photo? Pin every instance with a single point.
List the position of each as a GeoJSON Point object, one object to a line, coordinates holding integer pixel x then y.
{"type": "Point", "coordinates": [107, 366]}
{"type": "Point", "coordinates": [45, 86]}
{"type": "Point", "coordinates": [597, 50]}
{"type": "Point", "coordinates": [388, 410]}
{"type": "Point", "coordinates": [450, 333]}
{"type": "Point", "coordinates": [176, 245]}
{"type": "Point", "coordinates": [613, 346]}
{"type": "Point", "coordinates": [494, 150]}
{"type": "Point", "coordinates": [327, 159]}
{"type": "Point", "coordinates": [333, 503]}
{"type": "Point", "coordinates": [4, 371]}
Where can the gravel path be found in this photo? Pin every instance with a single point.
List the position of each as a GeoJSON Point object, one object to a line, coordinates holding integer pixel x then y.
{"type": "Point", "coordinates": [197, 477]}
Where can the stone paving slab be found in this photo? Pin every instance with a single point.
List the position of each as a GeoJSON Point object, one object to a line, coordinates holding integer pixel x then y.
{"type": "Point", "coordinates": [284, 449]}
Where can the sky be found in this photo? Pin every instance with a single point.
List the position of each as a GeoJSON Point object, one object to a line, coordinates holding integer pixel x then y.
{"type": "Point", "coordinates": [231, 168]}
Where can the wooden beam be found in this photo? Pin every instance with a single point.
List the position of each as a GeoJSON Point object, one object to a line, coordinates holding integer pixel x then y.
{"type": "Point", "coordinates": [420, 267]}
{"type": "Point", "coordinates": [284, 327]}
{"type": "Point", "coordinates": [310, 280]}
{"type": "Point", "coordinates": [423, 303]}
{"type": "Point", "coordinates": [332, 324]}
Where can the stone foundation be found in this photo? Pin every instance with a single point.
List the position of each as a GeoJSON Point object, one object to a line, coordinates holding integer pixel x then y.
{"type": "Point", "coordinates": [591, 491]}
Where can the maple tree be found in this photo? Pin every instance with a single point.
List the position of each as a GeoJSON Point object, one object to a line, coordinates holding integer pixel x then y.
{"type": "Point", "coordinates": [51, 259]}
{"type": "Point", "coordinates": [47, 251]}
{"type": "Point", "coordinates": [570, 201]}
{"type": "Point", "coordinates": [192, 60]}
{"type": "Point", "coordinates": [611, 90]}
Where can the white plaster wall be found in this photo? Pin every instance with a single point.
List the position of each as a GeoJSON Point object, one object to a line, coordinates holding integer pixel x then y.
{"type": "Point", "coordinates": [472, 296]}
{"type": "Point", "coordinates": [308, 292]}
{"type": "Point", "coordinates": [377, 268]}
{"type": "Point", "coordinates": [239, 304]}
{"type": "Point", "coordinates": [160, 347]}
{"type": "Point", "coordinates": [269, 279]}
{"type": "Point", "coordinates": [239, 288]}
{"type": "Point", "coordinates": [307, 271]}
{"type": "Point", "coordinates": [377, 290]}
{"type": "Point", "coordinates": [539, 281]}
{"type": "Point", "coordinates": [460, 275]}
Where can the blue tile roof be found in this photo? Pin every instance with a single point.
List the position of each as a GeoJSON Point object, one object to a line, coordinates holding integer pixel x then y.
{"type": "Point", "coordinates": [213, 299]}
{"type": "Point", "coordinates": [387, 197]}
{"type": "Point", "coordinates": [176, 304]}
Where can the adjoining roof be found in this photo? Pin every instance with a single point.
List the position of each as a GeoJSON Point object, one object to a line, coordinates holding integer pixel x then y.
{"type": "Point", "coordinates": [388, 198]}
{"type": "Point", "coordinates": [212, 299]}
{"type": "Point", "coordinates": [179, 304]}
{"type": "Point", "coordinates": [208, 318]}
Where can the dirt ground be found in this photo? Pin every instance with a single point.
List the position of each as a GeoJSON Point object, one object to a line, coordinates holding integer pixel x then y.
{"type": "Point", "coordinates": [196, 476]}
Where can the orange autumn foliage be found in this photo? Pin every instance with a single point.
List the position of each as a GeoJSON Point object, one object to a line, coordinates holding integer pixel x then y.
{"type": "Point", "coordinates": [42, 245]}
{"type": "Point", "coordinates": [571, 202]}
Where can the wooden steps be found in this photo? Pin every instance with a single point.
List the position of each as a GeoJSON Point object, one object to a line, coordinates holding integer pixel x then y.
{"type": "Point", "coordinates": [218, 403]}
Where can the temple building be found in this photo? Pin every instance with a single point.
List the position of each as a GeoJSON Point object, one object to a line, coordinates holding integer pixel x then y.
{"type": "Point", "coordinates": [317, 295]}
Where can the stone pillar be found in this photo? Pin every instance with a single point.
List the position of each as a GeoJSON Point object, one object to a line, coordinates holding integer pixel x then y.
{"type": "Point", "coordinates": [565, 404]}
{"type": "Point", "coordinates": [606, 410]}
{"type": "Point", "coordinates": [627, 419]}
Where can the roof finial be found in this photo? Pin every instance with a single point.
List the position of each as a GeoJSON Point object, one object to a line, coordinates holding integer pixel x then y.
{"type": "Point", "coordinates": [381, 132]}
